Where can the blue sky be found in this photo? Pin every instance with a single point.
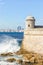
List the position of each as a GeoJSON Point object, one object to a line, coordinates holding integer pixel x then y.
{"type": "Point", "coordinates": [14, 12]}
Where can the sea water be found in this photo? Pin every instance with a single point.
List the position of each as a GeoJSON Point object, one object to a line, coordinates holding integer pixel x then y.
{"type": "Point", "coordinates": [10, 42]}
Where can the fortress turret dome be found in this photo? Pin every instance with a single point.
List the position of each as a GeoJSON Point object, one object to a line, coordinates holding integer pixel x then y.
{"type": "Point", "coordinates": [30, 18]}
{"type": "Point", "coordinates": [30, 22]}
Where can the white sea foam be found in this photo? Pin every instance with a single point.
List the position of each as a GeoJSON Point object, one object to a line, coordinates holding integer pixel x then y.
{"type": "Point", "coordinates": [8, 44]}
{"type": "Point", "coordinates": [8, 63]}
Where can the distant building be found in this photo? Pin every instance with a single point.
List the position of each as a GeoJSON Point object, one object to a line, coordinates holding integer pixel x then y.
{"type": "Point", "coordinates": [19, 28]}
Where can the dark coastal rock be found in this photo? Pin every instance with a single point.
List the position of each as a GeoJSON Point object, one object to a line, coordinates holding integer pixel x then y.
{"type": "Point", "coordinates": [11, 59]}
{"type": "Point", "coordinates": [19, 61]}
{"type": "Point", "coordinates": [6, 54]}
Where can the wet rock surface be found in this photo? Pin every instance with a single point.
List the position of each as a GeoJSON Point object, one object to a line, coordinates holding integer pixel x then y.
{"type": "Point", "coordinates": [11, 59]}
{"type": "Point", "coordinates": [28, 58]}
{"type": "Point", "coordinates": [6, 54]}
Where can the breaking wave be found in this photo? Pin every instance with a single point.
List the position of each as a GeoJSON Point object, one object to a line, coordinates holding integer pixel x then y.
{"type": "Point", "coordinates": [8, 44]}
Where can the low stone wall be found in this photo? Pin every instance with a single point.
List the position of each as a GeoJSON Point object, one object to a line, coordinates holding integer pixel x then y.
{"type": "Point", "coordinates": [33, 41]}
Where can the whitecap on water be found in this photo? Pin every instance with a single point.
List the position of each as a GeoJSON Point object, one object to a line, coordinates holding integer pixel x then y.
{"type": "Point", "coordinates": [8, 63]}
{"type": "Point", "coordinates": [8, 44]}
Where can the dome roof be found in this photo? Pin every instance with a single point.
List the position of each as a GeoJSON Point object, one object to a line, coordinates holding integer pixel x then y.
{"type": "Point", "coordinates": [30, 18]}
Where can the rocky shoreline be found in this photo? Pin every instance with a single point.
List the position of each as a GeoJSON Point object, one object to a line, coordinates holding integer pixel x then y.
{"type": "Point", "coordinates": [29, 58]}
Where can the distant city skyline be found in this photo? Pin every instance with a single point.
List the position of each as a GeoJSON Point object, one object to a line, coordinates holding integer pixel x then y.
{"type": "Point", "coordinates": [14, 12]}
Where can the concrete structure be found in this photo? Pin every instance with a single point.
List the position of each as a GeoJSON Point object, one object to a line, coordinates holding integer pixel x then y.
{"type": "Point", "coordinates": [33, 36]}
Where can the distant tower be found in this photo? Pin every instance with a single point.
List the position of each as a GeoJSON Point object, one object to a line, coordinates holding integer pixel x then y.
{"type": "Point", "coordinates": [30, 22]}
{"type": "Point", "coordinates": [19, 28]}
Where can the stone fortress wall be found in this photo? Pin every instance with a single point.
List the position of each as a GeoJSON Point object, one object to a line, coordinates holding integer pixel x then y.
{"type": "Point", "coordinates": [33, 36]}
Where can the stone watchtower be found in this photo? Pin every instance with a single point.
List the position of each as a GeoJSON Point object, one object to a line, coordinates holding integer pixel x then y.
{"type": "Point", "coordinates": [30, 22]}
{"type": "Point", "coordinates": [33, 36]}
